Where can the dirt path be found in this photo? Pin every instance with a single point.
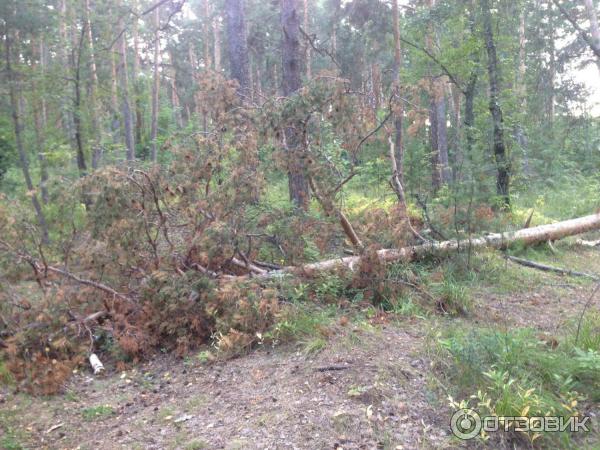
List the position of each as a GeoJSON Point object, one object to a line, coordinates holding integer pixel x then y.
{"type": "Point", "coordinates": [368, 390]}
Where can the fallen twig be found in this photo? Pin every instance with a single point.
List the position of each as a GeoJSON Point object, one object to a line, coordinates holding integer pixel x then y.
{"type": "Point", "coordinates": [546, 268]}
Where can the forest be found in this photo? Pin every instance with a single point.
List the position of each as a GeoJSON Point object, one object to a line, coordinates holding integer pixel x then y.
{"type": "Point", "coordinates": [304, 224]}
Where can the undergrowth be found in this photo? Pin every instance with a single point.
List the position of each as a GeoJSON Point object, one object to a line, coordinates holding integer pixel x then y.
{"type": "Point", "coordinates": [521, 373]}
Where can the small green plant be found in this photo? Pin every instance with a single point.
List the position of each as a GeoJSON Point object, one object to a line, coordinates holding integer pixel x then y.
{"type": "Point", "coordinates": [97, 412]}
{"type": "Point", "coordinates": [314, 345]}
{"type": "Point", "coordinates": [196, 445]}
{"type": "Point", "coordinates": [516, 374]}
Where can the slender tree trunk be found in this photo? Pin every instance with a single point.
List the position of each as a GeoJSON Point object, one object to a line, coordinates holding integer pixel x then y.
{"type": "Point", "coordinates": [76, 65]}
{"type": "Point", "coordinates": [500, 154]}
{"type": "Point", "coordinates": [115, 122]}
{"type": "Point", "coordinates": [239, 63]}
{"type": "Point", "coordinates": [376, 85]}
{"type": "Point", "coordinates": [63, 58]}
{"type": "Point", "coordinates": [206, 31]}
{"type": "Point", "coordinates": [399, 107]}
{"type": "Point", "coordinates": [470, 113]}
{"type": "Point", "coordinates": [155, 89]}
{"type": "Point", "coordinates": [14, 94]}
{"type": "Point", "coordinates": [126, 105]}
{"type": "Point", "coordinates": [216, 44]}
{"type": "Point", "coordinates": [94, 111]}
{"type": "Point", "coordinates": [139, 123]}
{"type": "Point", "coordinates": [40, 121]}
{"type": "Point", "coordinates": [470, 90]}
{"type": "Point", "coordinates": [291, 57]}
{"type": "Point", "coordinates": [436, 174]}
{"type": "Point", "coordinates": [441, 171]}
{"type": "Point", "coordinates": [177, 113]}
{"type": "Point", "coordinates": [308, 47]}
{"type": "Point", "coordinates": [520, 136]}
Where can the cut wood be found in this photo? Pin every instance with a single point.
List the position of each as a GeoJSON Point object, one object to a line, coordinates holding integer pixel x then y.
{"type": "Point", "coordinates": [546, 268]}
{"type": "Point", "coordinates": [525, 237]}
{"type": "Point", "coordinates": [96, 364]}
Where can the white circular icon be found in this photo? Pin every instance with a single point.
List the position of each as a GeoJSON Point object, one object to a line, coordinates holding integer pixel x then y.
{"type": "Point", "coordinates": [465, 423]}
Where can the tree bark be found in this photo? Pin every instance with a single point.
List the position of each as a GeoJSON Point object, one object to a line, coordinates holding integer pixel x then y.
{"type": "Point", "coordinates": [398, 107]}
{"type": "Point", "coordinates": [126, 105]}
{"type": "Point", "coordinates": [139, 123]}
{"type": "Point", "coordinates": [76, 65]}
{"type": "Point", "coordinates": [308, 47]}
{"type": "Point", "coordinates": [525, 237]}
{"type": "Point", "coordinates": [94, 111]}
{"type": "Point", "coordinates": [155, 89]}
{"type": "Point", "coordinates": [291, 61]}
{"type": "Point", "coordinates": [14, 94]}
{"type": "Point", "coordinates": [40, 119]}
{"type": "Point", "coordinates": [520, 136]}
{"type": "Point", "coordinates": [239, 63]}
{"type": "Point", "coordinates": [441, 173]}
{"type": "Point", "coordinates": [500, 154]}
{"type": "Point", "coordinates": [216, 44]}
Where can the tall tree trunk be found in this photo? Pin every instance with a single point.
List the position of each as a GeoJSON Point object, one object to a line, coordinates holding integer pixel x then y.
{"type": "Point", "coordinates": [520, 136]}
{"type": "Point", "coordinates": [216, 44]}
{"type": "Point", "coordinates": [94, 111]}
{"type": "Point", "coordinates": [126, 105]}
{"type": "Point", "coordinates": [139, 124]}
{"type": "Point", "coordinates": [63, 58]}
{"type": "Point", "coordinates": [500, 154]}
{"type": "Point", "coordinates": [398, 164]}
{"type": "Point", "coordinates": [115, 122]}
{"type": "Point", "coordinates": [291, 64]}
{"type": "Point", "coordinates": [77, 126]}
{"type": "Point", "coordinates": [40, 119]}
{"type": "Point", "coordinates": [175, 104]}
{"type": "Point", "coordinates": [376, 87]}
{"type": "Point", "coordinates": [308, 47]}
{"type": "Point", "coordinates": [239, 64]}
{"type": "Point", "coordinates": [441, 172]}
{"type": "Point", "coordinates": [436, 174]}
{"type": "Point", "coordinates": [14, 94]}
{"type": "Point", "coordinates": [155, 89]}
{"type": "Point", "coordinates": [207, 23]}
{"type": "Point", "coordinates": [470, 90]}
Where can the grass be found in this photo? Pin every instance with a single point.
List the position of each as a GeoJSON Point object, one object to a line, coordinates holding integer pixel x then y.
{"type": "Point", "coordinates": [12, 435]}
{"type": "Point", "coordinates": [100, 412]}
{"type": "Point", "coordinates": [514, 373]}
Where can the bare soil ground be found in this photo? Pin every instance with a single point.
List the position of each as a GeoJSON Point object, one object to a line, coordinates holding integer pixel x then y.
{"type": "Point", "coordinates": [370, 387]}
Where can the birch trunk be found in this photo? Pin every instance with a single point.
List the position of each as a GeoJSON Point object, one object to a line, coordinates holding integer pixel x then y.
{"type": "Point", "coordinates": [525, 237]}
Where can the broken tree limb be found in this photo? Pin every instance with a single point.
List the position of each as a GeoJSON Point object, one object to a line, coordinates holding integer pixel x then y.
{"type": "Point", "coordinates": [546, 268]}
{"type": "Point", "coordinates": [526, 237]}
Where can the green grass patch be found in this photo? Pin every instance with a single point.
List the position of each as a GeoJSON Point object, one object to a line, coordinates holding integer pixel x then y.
{"type": "Point", "coordinates": [97, 412]}
{"type": "Point", "coordinates": [516, 373]}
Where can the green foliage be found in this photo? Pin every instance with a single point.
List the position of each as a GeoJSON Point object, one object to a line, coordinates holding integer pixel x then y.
{"type": "Point", "coordinates": [517, 374]}
{"type": "Point", "coordinates": [97, 413]}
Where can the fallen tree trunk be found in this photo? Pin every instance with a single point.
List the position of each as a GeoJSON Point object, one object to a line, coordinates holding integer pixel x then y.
{"type": "Point", "coordinates": [525, 237]}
